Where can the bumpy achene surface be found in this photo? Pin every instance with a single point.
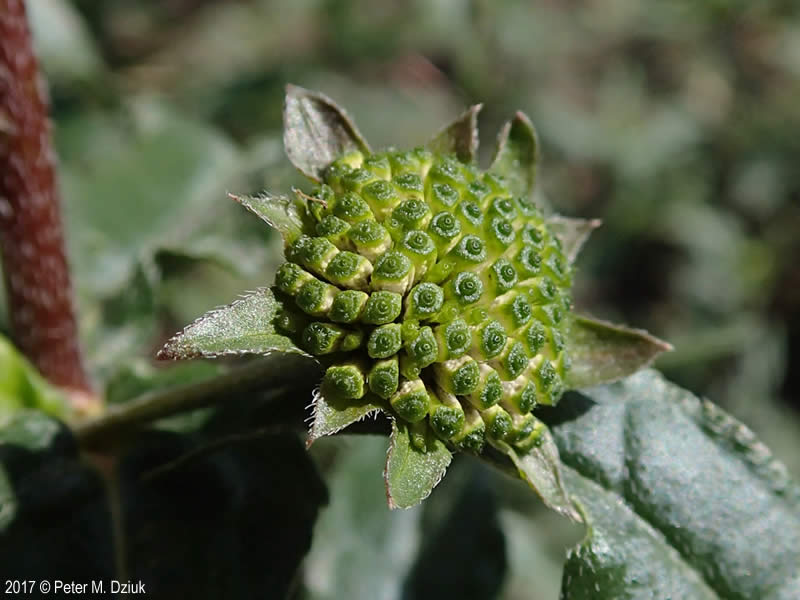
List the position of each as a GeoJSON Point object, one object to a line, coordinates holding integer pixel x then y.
{"type": "Point", "coordinates": [423, 282]}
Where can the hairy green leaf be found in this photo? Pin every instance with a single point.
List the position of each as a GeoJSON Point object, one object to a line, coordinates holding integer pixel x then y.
{"type": "Point", "coordinates": [692, 505]}
{"type": "Point", "coordinates": [602, 352]}
{"type": "Point", "coordinates": [411, 474]}
{"type": "Point", "coordinates": [516, 155]}
{"type": "Point", "coordinates": [331, 416]}
{"type": "Point", "coordinates": [316, 131]}
{"type": "Point", "coordinates": [540, 468]}
{"type": "Point", "coordinates": [279, 212]}
{"type": "Point", "coordinates": [22, 388]}
{"type": "Point", "coordinates": [244, 327]}
{"type": "Point", "coordinates": [459, 137]}
{"type": "Point", "coordinates": [572, 233]}
{"type": "Point", "coordinates": [623, 556]}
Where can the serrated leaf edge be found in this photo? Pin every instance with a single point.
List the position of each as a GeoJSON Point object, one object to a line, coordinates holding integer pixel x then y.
{"type": "Point", "coordinates": [389, 499]}
{"type": "Point", "coordinates": [662, 346]}
{"type": "Point", "coordinates": [353, 131]}
{"type": "Point", "coordinates": [449, 138]}
{"type": "Point", "coordinates": [311, 419]}
{"type": "Point", "coordinates": [509, 452]}
{"type": "Point", "coordinates": [502, 141]}
{"type": "Point", "coordinates": [281, 198]}
{"type": "Point", "coordinates": [578, 242]}
{"type": "Point", "coordinates": [165, 354]}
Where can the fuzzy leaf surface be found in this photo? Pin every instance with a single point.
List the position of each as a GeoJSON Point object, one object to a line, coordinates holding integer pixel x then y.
{"type": "Point", "coordinates": [411, 474]}
{"type": "Point", "coordinates": [331, 417]}
{"type": "Point", "coordinates": [316, 131]}
{"type": "Point", "coordinates": [681, 499]}
{"type": "Point", "coordinates": [572, 233]}
{"type": "Point", "coordinates": [540, 468]}
{"type": "Point", "coordinates": [459, 137]}
{"type": "Point", "coordinates": [602, 352]}
{"type": "Point", "coordinates": [244, 327]}
{"type": "Point", "coordinates": [517, 154]}
{"type": "Point", "coordinates": [279, 212]}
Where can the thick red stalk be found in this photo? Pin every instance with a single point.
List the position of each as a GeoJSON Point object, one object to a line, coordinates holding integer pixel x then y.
{"type": "Point", "coordinates": [36, 273]}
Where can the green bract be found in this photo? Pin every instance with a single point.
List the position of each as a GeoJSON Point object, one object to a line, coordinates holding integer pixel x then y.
{"type": "Point", "coordinates": [429, 289]}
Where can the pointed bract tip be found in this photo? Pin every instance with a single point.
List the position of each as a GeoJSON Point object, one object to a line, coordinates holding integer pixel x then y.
{"type": "Point", "coordinates": [165, 354]}
{"type": "Point", "coordinates": [521, 116]}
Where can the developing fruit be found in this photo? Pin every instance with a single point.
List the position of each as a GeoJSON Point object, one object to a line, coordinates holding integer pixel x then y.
{"type": "Point", "coordinates": [426, 285]}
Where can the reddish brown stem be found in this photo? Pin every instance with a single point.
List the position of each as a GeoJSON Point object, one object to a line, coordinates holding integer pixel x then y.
{"type": "Point", "coordinates": [31, 238]}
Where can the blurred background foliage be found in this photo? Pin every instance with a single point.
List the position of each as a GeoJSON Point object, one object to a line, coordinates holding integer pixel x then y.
{"type": "Point", "coordinates": [677, 123]}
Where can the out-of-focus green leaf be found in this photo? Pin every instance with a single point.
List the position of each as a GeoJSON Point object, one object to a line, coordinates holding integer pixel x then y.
{"type": "Point", "coordinates": [411, 473]}
{"type": "Point", "coordinates": [316, 131]}
{"type": "Point", "coordinates": [31, 430]}
{"type": "Point", "coordinates": [540, 468]}
{"type": "Point", "coordinates": [459, 137]}
{"type": "Point", "coordinates": [602, 352]}
{"type": "Point", "coordinates": [22, 388]}
{"type": "Point", "coordinates": [279, 212]}
{"type": "Point", "coordinates": [244, 327]}
{"type": "Point", "coordinates": [537, 540]}
{"type": "Point", "coordinates": [360, 549]}
{"type": "Point", "coordinates": [136, 182]}
{"type": "Point", "coordinates": [331, 416]}
{"type": "Point", "coordinates": [517, 154]}
{"type": "Point", "coordinates": [54, 522]}
{"type": "Point", "coordinates": [572, 233]}
{"type": "Point", "coordinates": [123, 324]}
{"type": "Point", "coordinates": [63, 43]}
{"type": "Point", "coordinates": [462, 527]}
{"type": "Point", "coordinates": [691, 502]}
{"type": "Point", "coordinates": [195, 516]}
{"type": "Point", "coordinates": [218, 520]}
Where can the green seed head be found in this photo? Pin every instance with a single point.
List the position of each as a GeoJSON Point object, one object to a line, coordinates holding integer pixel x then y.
{"type": "Point", "coordinates": [431, 286]}
{"type": "Point", "coordinates": [347, 306]}
{"type": "Point", "coordinates": [424, 301]}
{"type": "Point", "coordinates": [334, 229]}
{"type": "Point", "coordinates": [322, 338]}
{"type": "Point", "coordinates": [446, 416]}
{"type": "Point", "coordinates": [384, 377]}
{"type": "Point", "coordinates": [382, 307]}
{"type": "Point", "coordinates": [385, 341]}
{"type": "Point", "coordinates": [343, 382]}
{"type": "Point", "coordinates": [411, 402]}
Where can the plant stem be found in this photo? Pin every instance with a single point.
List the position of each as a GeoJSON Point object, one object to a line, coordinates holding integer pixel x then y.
{"type": "Point", "coordinates": [262, 374]}
{"type": "Point", "coordinates": [35, 266]}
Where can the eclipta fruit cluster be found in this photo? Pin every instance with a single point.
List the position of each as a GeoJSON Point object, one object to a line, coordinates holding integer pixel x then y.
{"type": "Point", "coordinates": [424, 285]}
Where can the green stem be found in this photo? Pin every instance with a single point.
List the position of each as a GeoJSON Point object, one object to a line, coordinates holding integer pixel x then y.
{"type": "Point", "coordinates": [262, 374]}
